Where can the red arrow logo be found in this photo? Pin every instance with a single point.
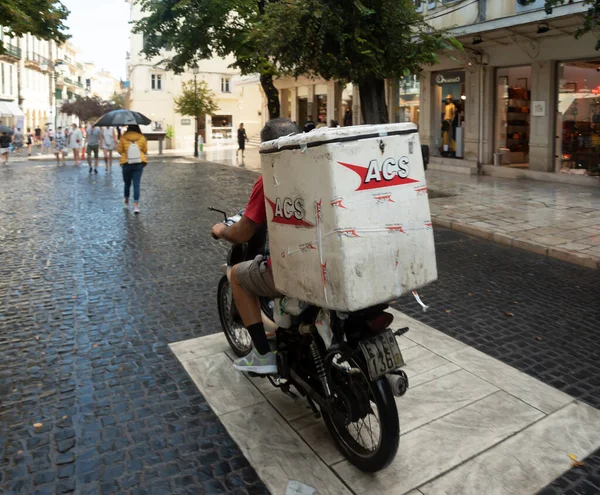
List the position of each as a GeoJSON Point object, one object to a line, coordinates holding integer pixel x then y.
{"type": "Point", "coordinates": [375, 179]}
{"type": "Point", "coordinates": [284, 220]}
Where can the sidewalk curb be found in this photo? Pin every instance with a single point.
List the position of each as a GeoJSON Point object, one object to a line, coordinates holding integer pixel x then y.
{"type": "Point", "coordinates": [552, 252]}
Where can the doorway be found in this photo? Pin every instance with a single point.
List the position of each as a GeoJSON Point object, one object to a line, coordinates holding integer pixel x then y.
{"type": "Point", "coordinates": [513, 122]}
{"type": "Point", "coordinates": [449, 112]}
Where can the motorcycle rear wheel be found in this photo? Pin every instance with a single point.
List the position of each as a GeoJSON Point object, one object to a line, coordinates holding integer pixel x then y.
{"type": "Point", "coordinates": [237, 336]}
{"type": "Point", "coordinates": [356, 397]}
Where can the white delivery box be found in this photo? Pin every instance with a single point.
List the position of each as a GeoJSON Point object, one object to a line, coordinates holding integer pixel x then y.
{"type": "Point", "coordinates": [348, 215]}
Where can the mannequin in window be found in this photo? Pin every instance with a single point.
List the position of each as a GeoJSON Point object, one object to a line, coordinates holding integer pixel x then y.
{"type": "Point", "coordinates": [450, 113]}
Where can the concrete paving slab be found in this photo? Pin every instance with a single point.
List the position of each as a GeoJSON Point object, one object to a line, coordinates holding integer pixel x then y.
{"type": "Point", "coordinates": [462, 409]}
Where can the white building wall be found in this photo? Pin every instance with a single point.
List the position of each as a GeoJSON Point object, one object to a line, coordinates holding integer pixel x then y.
{"type": "Point", "coordinates": [244, 102]}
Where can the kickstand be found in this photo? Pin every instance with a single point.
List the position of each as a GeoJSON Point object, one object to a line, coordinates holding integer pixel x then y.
{"type": "Point", "coordinates": [316, 412]}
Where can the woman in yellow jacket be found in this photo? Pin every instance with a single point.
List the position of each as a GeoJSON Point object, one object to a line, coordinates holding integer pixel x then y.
{"type": "Point", "coordinates": [133, 161]}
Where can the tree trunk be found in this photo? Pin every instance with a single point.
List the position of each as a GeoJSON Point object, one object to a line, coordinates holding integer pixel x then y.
{"type": "Point", "coordinates": [372, 100]}
{"type": "Point", "coordinates": [272, 94]}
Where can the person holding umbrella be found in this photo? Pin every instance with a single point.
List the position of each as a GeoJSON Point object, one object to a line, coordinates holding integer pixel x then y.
{"type": "Point", "coordinates": [133, 149]}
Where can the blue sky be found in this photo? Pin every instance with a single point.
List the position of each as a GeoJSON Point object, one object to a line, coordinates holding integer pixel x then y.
{"type": "Point", "coordinates": [100, 29]}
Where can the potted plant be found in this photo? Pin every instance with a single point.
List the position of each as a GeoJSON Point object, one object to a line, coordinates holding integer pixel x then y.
{"type": "Point", "coordinates": [170, 134]}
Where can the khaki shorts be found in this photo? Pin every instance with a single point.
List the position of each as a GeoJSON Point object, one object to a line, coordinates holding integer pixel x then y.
{"type": "Point", "coordinates": [256, 277]}
{"type": "Point", "coordinates": [92, 148]}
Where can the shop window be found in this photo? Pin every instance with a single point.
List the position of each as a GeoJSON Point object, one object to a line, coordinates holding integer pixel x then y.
{"type": "Point", "coordinates": [578, 118]}
{"type": "Point", "coordinates": [409, 89]}
{"type": "Point", "coordinates": [513, 108]}
{"type": "Point", "coordinates": [419, 5]}
{"type": "Point", "coordinates": [222, 127]}
{"type": "Point", "coordinates": [449, 113]}
{"type": "Point", "coordinates": [156, 82]}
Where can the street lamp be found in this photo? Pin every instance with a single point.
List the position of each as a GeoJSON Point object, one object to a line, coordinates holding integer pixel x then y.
{"type": "Point", "coordinates": [196, 71]}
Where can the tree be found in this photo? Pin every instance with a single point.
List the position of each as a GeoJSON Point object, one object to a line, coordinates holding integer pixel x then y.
{"type": "Point", "coordinates": [118, 100]}
{"type": "Point", "coordinates": [199, 29]}
{"type": "Point", "coordinates": [42, 18]}
{"type": "Point", "coordinates": [591, 19]}
{"type": "Point", "coordinates": [196, 100]}
{"type": "Point", "coordinates": [88, 108]}
{"type": "Point", "coordinates": [357, 41]}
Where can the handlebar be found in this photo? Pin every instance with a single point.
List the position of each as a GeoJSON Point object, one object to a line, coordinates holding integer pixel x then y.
{"type": "Point", "coordinates": [228, 221]}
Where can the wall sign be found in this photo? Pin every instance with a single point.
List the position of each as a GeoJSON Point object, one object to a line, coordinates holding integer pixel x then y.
{"type": "Point", "coordinates": [538, 109]}
{"type": "Point", "coordinates": [449, 77]}
{"type": "Point", "coordinates": [186, 121]}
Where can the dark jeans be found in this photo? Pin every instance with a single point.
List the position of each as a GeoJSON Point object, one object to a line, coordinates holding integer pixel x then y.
{"type": "Point", "coordinates": [133, 172]}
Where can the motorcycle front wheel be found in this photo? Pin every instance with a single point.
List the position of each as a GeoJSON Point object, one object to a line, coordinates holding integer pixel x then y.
{"type": "Point", "coordinates": [237, 336]}
{"type": "Point", "coordinates": [365, 427]}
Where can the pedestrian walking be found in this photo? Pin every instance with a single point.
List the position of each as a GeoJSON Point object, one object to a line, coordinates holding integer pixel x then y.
{"type": "Point", "coordinates": [46, 142]}
{"type": "Point", "coordinates": [348, 117]}
{"type": "Point", "coordinates": [18, 140]}
{"type": "Point", "coordinates": [108, 145]}
{"type": "Point", "coordinates": [38, 136]}
{"type": "Point", "coordinates": [29, 138]}
{"type": "Point", "coordinates": [82, 149]}
{"type": "Point", "coordinates": [309, 125]}
{"type": "Point", "coordinates": [93, 137]}
{"type": "Point", "coordinates": [75, 143]}
{"type": "Point", "coordinates": [60, 144]}
{"type": "Point", "coordinates": [5, 140]}
{"type": "Point", "coordinates": [242, 137]}
{"type": "Point", "coordinates": [133, 148]}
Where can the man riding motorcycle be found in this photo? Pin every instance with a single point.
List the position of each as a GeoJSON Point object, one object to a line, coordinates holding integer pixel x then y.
{"type": "Point", "coordinates": [252, 279]}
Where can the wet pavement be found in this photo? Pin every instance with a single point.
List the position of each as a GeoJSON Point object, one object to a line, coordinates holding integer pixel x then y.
{"type": "Point", "coordinates": [93, 399]}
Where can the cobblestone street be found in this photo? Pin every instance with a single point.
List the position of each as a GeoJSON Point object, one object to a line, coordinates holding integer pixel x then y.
{"type": "Point", "coordinates": [90, 296]}
{"type": "Point", "coordinates": [94, 401]}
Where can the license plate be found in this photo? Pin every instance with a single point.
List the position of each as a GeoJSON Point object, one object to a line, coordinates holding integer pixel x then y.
{"type": "Point", "coordinates": [382, 354]}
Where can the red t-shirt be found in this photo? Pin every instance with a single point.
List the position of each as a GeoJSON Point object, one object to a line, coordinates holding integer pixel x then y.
{"type": "Point", "coordinates": [255, 210]}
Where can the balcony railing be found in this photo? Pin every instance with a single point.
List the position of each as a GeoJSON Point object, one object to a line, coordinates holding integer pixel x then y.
{"type": "Point", "coordinates": [38, 59]}
{"type": "Point", "coordinates": [12, 50]}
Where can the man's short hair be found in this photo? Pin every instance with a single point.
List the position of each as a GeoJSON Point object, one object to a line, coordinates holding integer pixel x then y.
{"type": "Point", "coordinates": [277, 128]}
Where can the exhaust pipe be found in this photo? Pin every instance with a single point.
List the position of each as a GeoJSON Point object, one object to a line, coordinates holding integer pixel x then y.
{"type": "Point", "coordinates": [398, 381]}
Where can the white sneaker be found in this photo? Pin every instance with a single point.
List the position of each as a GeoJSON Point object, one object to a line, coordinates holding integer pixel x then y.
{"type": "Point", "coordinates": [257, 363]}
{"type": "Point", "coordinates": [136, 209]}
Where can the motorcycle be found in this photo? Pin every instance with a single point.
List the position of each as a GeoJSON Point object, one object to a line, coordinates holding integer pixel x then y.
{"type": "Point", "coordinates": [346, 365]}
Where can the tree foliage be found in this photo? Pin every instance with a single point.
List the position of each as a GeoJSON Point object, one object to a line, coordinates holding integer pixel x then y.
{"type": "Point", "coordinates": [183, 32]}
{"type": "Point", "coordinates": [196, 99]}
{"type": "Point", "coordinates": [88, 108]}
{"type": "Point", "coordinates": [591, 19]}
{"type": "Point", "coordinates": [358, 41]}
{"type": "Point", "coordinates": [42, 18]}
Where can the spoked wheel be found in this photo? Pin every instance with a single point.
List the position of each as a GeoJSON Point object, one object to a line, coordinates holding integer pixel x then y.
{"type": "Point", "coordinates": [237, 336]}
{"type": "Point", "coordinates": [365, 426]}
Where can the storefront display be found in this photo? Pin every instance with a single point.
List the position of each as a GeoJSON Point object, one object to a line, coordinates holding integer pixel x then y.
{"type": "Point", "coordinates": [450, 99]}
{"type": "Point", "coordinates": [408, 100]}
{"type": "Point", "coordinates": [578, 118]}
{"type": "Point", "coordinates": [513, 109]}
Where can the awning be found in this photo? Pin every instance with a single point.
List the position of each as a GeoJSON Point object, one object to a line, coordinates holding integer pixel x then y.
{"type": "Point", "coordinates": [10, 109]}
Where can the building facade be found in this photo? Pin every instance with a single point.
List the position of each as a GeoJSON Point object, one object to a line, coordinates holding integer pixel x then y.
{"type": "Point", "coordinates": [153, 89]}
{"type": "Point", "coordinates": [38, 76]}
{"type": "Point", "coordinates": [524, 94]}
